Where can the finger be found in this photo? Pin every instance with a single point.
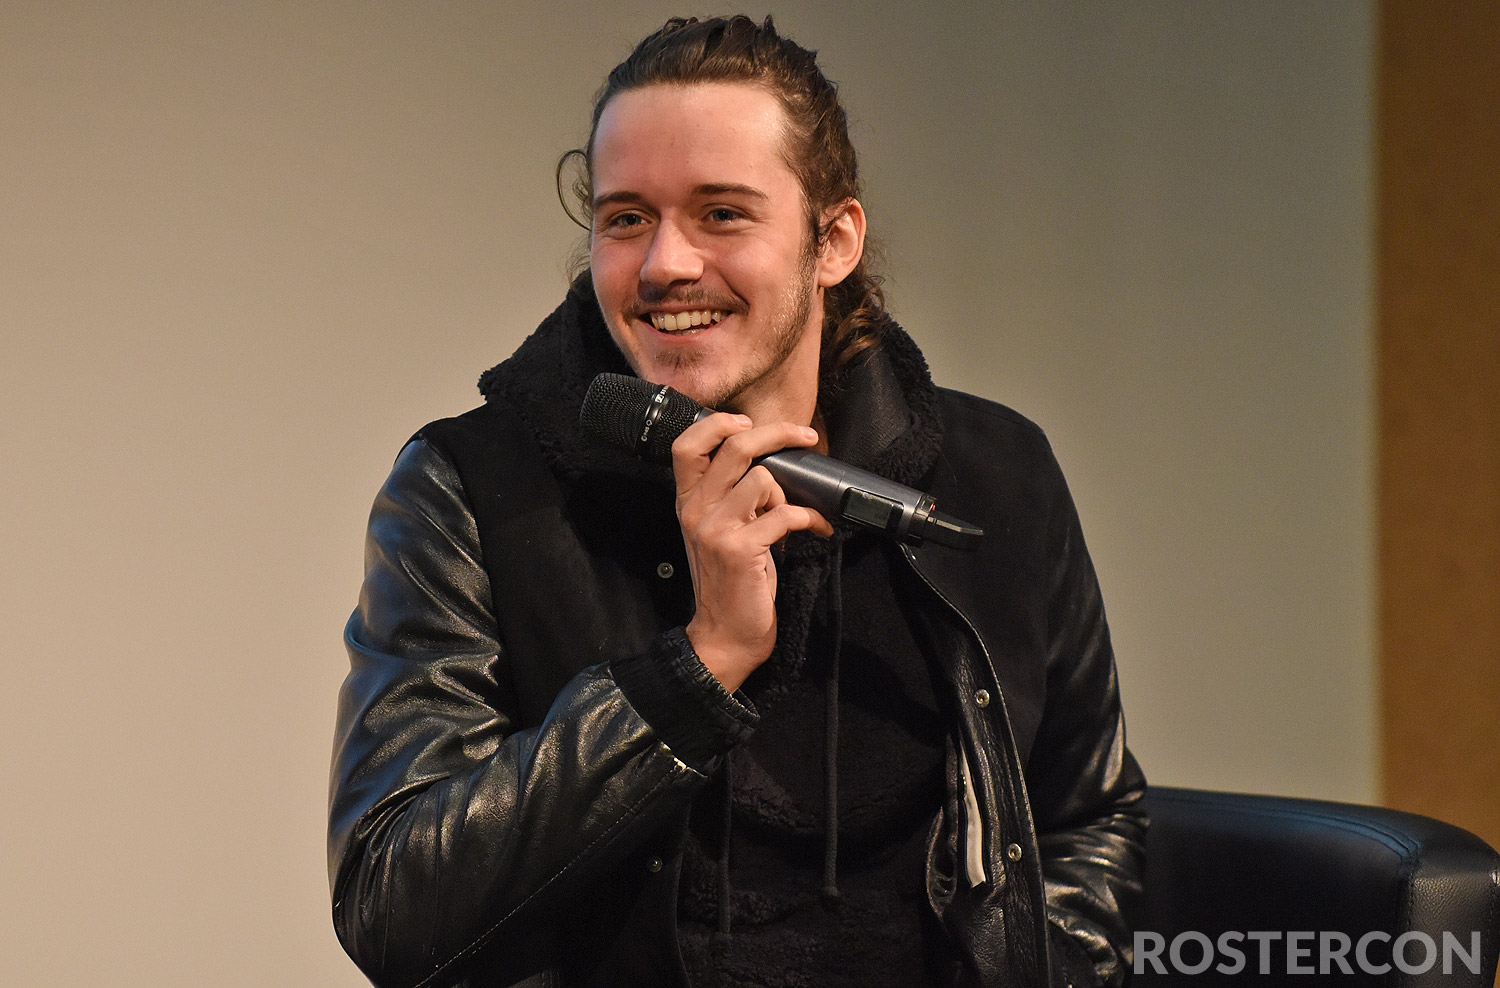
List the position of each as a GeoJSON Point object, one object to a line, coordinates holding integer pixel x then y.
{"type": "Point", "coordinates": [755, 493]}
{"type": "Point", "coordinates": [816, 523]}
{"type": "Point", "coordinates": [733, 458]}
{"type": "Point", "coordinates": [775, 524]}
{"type": "Point", "coordinates": [757, 496]}
{"type": "Point", "coordinates": [775, 497]}
{"type": "Point", "coordinates": [693, 450]}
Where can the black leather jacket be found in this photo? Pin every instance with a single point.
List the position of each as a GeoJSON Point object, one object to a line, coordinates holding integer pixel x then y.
{"type": "Point", "coordinates": [520, 735]}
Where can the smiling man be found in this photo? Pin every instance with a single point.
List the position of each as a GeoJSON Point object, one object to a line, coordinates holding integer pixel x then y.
{"type": "Point", "coordinates": [610, 723]}
{"type": "Point", "coordinates": [696, 213]}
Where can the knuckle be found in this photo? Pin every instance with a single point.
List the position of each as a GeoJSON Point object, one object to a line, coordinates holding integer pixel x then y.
{"type": "Point", "coordinates": [760, 478]}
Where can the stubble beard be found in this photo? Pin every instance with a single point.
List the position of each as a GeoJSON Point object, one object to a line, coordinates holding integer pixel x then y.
{"type": "Point", "coordinates": [769, 356]}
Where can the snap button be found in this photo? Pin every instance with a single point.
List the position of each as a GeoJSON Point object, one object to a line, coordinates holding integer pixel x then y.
{"type": "Point", "coordinates": [654, 865]}
{"type": "Point", "coordinates": [1013, 852]}
{"type": "Point", "coordinates": [982, 697]}
{"type": "Point", "coordinates": [665, 570]}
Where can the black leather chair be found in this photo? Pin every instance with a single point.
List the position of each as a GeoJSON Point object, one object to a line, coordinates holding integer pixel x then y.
{"type": "Point", "coordinates": [1309, 878]}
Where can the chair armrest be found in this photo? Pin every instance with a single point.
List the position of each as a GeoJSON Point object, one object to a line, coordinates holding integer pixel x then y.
{"type": "Point", "coordinates": [1219, 862]}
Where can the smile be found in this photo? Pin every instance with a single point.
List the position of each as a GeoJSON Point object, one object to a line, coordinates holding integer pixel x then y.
{"type": "Point", "coordinates": [669, 322]}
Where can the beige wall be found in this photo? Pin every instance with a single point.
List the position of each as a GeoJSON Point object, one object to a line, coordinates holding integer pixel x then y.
{"type": "Point", "coordinates": [246, 249]}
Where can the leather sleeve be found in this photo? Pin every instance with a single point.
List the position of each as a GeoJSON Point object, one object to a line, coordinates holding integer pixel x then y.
{"type": "Point", "coordinates": [453, 828]}
{"type": "Point", "coordinates": [1084, 784]}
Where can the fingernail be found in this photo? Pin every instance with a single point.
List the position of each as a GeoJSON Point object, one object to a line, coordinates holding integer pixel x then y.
{"type": "Point", "coordinates": [743, 419]}
{"type": "Point", "coordinates": [809, 432]}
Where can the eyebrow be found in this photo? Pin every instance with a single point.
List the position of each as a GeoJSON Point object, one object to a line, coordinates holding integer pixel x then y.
{"type": "Point", "coordinates": [701, 191]}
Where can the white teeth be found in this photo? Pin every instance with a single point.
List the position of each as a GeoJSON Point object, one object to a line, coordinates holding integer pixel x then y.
{"type": "Point", "coordinates": [669, 322]}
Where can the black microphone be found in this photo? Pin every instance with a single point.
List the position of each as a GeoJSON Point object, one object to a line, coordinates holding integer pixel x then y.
{"type": "Point", "coordinates": [646, 418]}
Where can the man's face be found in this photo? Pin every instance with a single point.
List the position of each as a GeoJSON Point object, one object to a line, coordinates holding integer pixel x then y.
{"type": "Point", "coordinates": [700, 250]}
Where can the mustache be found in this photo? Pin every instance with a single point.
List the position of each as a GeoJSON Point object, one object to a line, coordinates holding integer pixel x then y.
{"type": "Point", "coordinates": [691, 298]}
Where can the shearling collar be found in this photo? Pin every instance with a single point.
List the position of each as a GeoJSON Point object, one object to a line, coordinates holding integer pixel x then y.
{"type": "Point", "coordinates": [881, 413]}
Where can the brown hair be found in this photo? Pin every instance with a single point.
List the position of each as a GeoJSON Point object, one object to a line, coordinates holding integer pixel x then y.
{"type": "Point", "coordinates": [818, 150]}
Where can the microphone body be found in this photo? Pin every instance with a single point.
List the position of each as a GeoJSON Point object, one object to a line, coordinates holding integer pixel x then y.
{"type": "Point", "coordinates": [646, 418]}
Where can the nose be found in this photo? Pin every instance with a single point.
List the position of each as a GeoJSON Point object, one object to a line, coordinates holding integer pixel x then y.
{"type": "Point", "coordinates": [670, 258]}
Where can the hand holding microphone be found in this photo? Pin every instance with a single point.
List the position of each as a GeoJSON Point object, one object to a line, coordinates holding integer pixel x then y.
{"type": "Point", "coordinates": [646, 418]}
{"type": "Point", "coordinates": [742, 488]}
{"type": "Point", "coordinates": [732, 513]}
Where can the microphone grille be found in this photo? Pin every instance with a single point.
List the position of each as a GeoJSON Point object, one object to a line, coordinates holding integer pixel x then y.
{"type": "Point", "coordinates": [615, 410]}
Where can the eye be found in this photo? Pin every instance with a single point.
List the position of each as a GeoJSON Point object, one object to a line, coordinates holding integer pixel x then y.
{"type": "Point", "coordinates": [621, 222]}
{"type": "Point", "coordinates": [723, 214]}
{"type": "Point", "coordinates": [626, 220]}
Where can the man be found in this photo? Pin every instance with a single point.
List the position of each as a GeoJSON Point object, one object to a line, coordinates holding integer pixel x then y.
{"type": "Point", "coordinates": [609, 723]}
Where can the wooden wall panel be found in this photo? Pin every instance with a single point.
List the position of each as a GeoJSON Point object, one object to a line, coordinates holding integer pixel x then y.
{"type": "Point", "coordinates": [1439, 398]}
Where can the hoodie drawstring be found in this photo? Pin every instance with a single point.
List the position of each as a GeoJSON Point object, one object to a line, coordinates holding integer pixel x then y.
{"type": "Point", "coordinates": [720, 938]}
{"type": "Point", "coordinates": [830, 892]}
{"type": "Point", "coordinates": [831, 732]}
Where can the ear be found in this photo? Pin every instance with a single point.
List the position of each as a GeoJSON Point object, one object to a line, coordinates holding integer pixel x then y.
{"type": "Point", "coordinates": [845, 243]}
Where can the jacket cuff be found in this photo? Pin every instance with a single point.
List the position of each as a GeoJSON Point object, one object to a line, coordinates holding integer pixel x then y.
{"type": "Point", "coordinates": [689, 710]}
